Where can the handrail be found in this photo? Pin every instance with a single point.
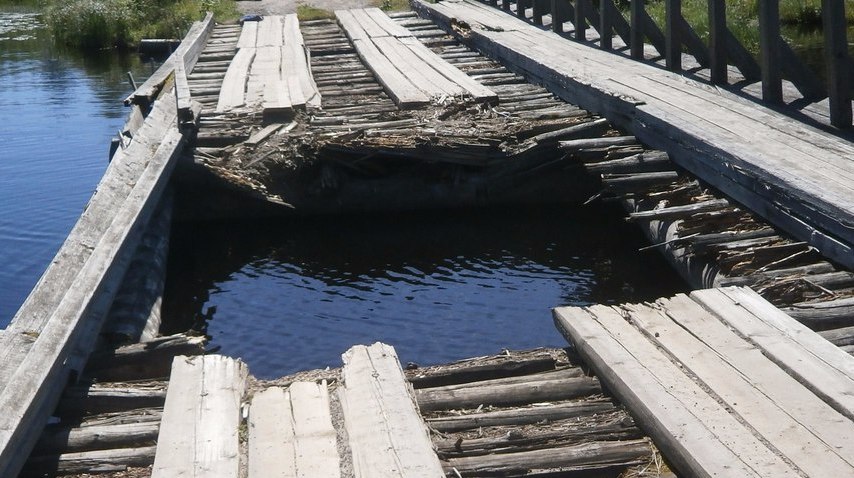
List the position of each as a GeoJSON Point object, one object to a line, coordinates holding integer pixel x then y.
{"type": "Point", "coordinates": [187, 54]}
{"type": "Point", "coordinates": [777, 59]}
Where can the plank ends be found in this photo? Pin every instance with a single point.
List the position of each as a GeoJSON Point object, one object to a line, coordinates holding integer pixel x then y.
{"type": "Point", "coordinates": [723, 381]}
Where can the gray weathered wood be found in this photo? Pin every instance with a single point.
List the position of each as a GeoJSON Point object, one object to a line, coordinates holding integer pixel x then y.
{"type": "Point", "coordinates": [386, 434]}
{"type": "Point", "coordinates": [233, 91]}
{"type": "Point", "coordinates": [314, 436]}
{"type": "Point", "coordinates": [248, 35]}
{"type": "Point", "coordinates": [695, 432]}
{"type": "Point", "coordinates": [673, 38]}
{"type": "Point", "coordinates": [837, 61]}
{"type": "Point", "coordinates": [770, 50]}
{"type": "Point", "coordinates": [271, 448]}
{"type": "Point", "coordinates": [717, 42]}
{"type": "Point", "coordinates": [201, 417]}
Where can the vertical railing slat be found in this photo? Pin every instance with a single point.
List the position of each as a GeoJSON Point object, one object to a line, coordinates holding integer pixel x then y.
{"type": "Point", "coordinates": [836, 58]}
{"type": "Point", "coordinates": [580, 21]}
{"type": "Point", "coordinates": [769, 50]}
{"type": "Point", "coordinates": [636, 43]}
{"type": "Point", "coordinates": [672, 40]}
{"type": "Point", "coordinates": [606, 23]}
{"type": "Point", "coordinates": [717, 42]}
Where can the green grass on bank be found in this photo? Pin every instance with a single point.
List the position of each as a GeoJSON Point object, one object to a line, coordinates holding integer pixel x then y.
{"type": "Point", "coordinates": [97, 24]}
{"type": "Point", "coordinates": [743, 16]}
{"type": "Point", "coordinates": [306, 12]}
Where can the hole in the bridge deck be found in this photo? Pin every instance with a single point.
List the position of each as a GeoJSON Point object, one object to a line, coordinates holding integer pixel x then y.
{"type": "Point", "coordinates": [439, 286]}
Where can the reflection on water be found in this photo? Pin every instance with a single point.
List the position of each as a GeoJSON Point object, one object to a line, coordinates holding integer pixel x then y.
{"type": "Point", "coordinates": [439, 286]}
{"type": "Point", "coordinates": [58, 111]}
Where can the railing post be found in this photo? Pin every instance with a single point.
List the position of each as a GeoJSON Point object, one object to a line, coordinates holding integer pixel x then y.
{"type": "Point", "coordinates": [606, 23]}
{"type": "Point", "coordinates": [537, 12]}
{"type": "Point", "coordinates": [836, 57]}
{"type": "Point", "coordinates": [521, 7]}
{"type": "Point", "coordinates": [717, 42]}
{"type": "Point", "coordinates": [505, 5]}
{"type": "Point", "coordinates": [558, 15]}
{"type": "Point", "coordinates": [672, 40]}
{"type": "Point", "coordinates": [769, 50]}
{"type": "Point", "coordinates": [636, 43]}
{"type": "Point", "coordinates": [580, 20]}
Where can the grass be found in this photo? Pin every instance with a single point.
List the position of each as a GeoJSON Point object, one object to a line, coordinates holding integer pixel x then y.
{"type": "Point", "coordinates": [743, 16]}
{"type": "Point", "coordinates": [392, 5]}
{"type": "Point", "coordinates": [100, 24]}
{"type": "Point", "coordinates": [307, 12]}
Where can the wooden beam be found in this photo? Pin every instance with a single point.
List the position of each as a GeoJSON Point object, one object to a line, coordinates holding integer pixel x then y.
{"type": "Point", "coordinates": [607, 10]}
{"type": "Point", "coordinates": [672, 37]}
{"type": "Point", "coordinates": [199, 434]}
{"type": "Point", "coordinates": [580, 20]}
{"type": "Point", "coordinates": [717, 42]}
{"type": "Point", "coordinates": [770, 55]}
{"type": "Point", "coordinates": [637, 30]}
{"type": "Point", "coordinates": [386, 434]}
{"type": "Point", "coordinates": [837, 61]}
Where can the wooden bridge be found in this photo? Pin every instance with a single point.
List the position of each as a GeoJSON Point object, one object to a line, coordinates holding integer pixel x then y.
{"type": "Point", "coordinates": [472, 88]}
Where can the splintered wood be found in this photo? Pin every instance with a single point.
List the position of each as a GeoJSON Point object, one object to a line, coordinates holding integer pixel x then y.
{"type": "Point", "coordinates": [725, 383]}
{"type": "Point", "coordinates": [270, 71]}
{"type": "Point", "coordinates": [411, 73]}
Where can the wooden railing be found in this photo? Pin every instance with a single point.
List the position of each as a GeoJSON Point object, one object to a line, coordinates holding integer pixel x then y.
{"type": "Point", "coordinates": [776, 61]}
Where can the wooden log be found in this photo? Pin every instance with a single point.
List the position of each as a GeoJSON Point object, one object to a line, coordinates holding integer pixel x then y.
{"type": "Point", "coordinates": [96, 399]}
{"type": "Point", "coordinates": [617, 429]}
{"type": "Point", "coordinates": [103, 437]}
{"type": "Point", "coordinates": [135, 312]}
{"type": "Point", "coordinates": [586, 457]}
{"type": "Point", "coordinates": [143, 361]}
{"type": "Point", "coordinates": [637, 182]}
{"type": "Point", "coordinates": [837, 62]}
{"type": "Point", "coordinates": [841, 337]}
{"type": "Point", "coordinates": [97, 461]}
{"type": "Point", "coordinates": [506, 368]}
{"type": "Point", "coordinates": [498, 394]}
{"type": "Point", "coordinates": [831, 314]}
{"type": "Point", "coordinates": [522, 416]}
{"type": "Point", "coordinates": [680, 211]}
{"type": "Point", "coordinates": [386, 434]}
{"type": "Point", "coordinates": [586, 129]}
{"type": "Point", "coordinates": [593, 143]}
{"type": "Point", "coordinates": [648, 161]}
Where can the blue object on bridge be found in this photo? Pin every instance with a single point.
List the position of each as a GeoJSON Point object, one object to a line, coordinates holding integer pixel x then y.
{"type": "Point", "coordinates": [251, 18]}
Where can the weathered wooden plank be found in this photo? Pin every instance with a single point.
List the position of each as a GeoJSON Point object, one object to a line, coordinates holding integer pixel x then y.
{"type": "Point", "coordinates": [397, 86]}
{"type": "Point", "coordinates": [233, 89]}
{"type": "Point", "coordinates": [295, 61]}
{"type": "Point", "coordinates": [810, 359]}
{"type": "Point", "coordinates": [695, 432]}
{"type": "Point", "coordinates": [368, 24]}
{"type": "Point", "coordinates": [791, 431]}
{"type": "Point", "coordinates": [314, 436]}
{"type": "Point", "coordinates": [350, 25]}
{"type": "Point", "coordinates": [386, 434]}
{"type": "Point", "coordinates": [271, 448]}
{"type": "Point", "coordinates": [270, 32]}
{"type": "Point", "coordinates": [477, 91]}
{"type": "Point", "coordinates": [390, 26]}
{"type": "Point", "coordinates": [415, 70]}
{"type": "Point", "coordinates": [266, 69]}
{"type": "Point", "coordinates": [201, 417]}
{"type": "Point", "coordinates": [248, 35]}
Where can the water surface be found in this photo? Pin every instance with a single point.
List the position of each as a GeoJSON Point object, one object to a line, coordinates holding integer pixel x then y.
{"type": "Point", "coordinates": [439, 286]}
{"type": "Point", "coordinates": [58, 111]}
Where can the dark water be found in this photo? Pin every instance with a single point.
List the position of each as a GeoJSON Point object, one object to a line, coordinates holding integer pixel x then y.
{"type": "Point", "coordinates": [438, 286]}
{"type": "Point", "coordinates": [57, 114]}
